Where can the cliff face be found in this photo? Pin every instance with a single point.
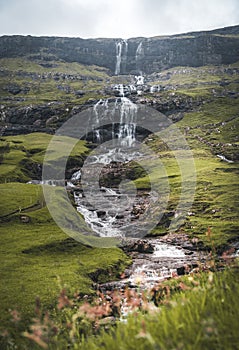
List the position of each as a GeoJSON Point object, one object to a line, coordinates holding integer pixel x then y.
{"type": "Point", "coordinates": [134, 55]}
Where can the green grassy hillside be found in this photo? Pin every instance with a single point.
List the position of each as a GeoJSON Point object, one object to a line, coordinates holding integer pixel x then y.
{"type": "Point", "coordinates": [25, 82]}
{"type": "Point", "coordinates": [36, 254]}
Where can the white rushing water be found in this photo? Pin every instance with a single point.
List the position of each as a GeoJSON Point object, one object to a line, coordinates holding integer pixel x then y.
{"type": "Point", "coordinates": [118, 57]}
{"type": "Point", "coordinates": [147, 276]}
{"type": "Point", "coordinates": [128, 113]}
{"type": "Point", "coordinates": [103, 222]}
{"type": "Point", "coordinates": [138, 56]}
{"type": "Point", "coordinates": [111, 209]}
{"type": "Point", "coordinates": [121, 54]}
{"type": "Point", "coordinates": [168, 251]}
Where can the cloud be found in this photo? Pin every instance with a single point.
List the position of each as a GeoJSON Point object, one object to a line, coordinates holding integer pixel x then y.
{"type": "Point", "coordinates": [107, 18]}
{"type": "Point", "coordinates": [173, 16]}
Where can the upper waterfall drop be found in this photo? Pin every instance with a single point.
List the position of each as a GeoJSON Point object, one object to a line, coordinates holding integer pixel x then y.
{"type": "Point", "coordinates": [139, 50]}
{"type": "Point", "coordinates": [121, 55]}
{"type": "Point", "coordinates": [138, 56]}
{"type": "Point", "coordinates": [118, 57]}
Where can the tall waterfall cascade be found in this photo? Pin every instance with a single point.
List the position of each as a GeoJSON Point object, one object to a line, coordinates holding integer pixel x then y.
{"type": "Point", "coordinates": [106, 220]}
{"type": "Point", "coordinates": [138, 57]}
{"type": "Point", "coordinates": [121, 49]}
{"type": "Point", "coordinates": [121, 55]}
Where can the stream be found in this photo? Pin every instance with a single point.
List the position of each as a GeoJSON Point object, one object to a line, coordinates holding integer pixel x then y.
{"type": "Point", "coordinates": [114, 211]}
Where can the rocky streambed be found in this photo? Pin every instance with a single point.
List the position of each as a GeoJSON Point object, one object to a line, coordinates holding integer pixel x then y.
{"type": "Point", "coordinates": [157, 259]}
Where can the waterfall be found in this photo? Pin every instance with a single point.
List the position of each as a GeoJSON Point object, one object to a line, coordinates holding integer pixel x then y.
{"type": "Point", "coordinates": [121, 55]}
{"type": "Point", "coordinates": [139, 51]}
{"type": "Point", "coordinates": [127, 130]}
{"type": "Point", "coordinates": [100, 107]}
{"type": "Point", "coordinates": [125, 134]}
{"type": "Point", "coordinates": [118, 57]}
{"type": "Point", "coordinates": [107, 220]}
{"type": "Point", "coordinates": [138, 56]}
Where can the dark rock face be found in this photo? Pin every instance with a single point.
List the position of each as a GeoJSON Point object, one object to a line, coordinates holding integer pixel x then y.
{"type": "Point", "coordinates": [143, 54]}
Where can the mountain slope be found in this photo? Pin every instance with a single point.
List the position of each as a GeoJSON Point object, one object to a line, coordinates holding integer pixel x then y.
{"type": "Point", "coordinates": [219, 46]}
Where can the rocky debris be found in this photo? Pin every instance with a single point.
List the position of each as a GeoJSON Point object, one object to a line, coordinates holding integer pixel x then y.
{"type": "Point", "coordinates": [16, 89]}
{"type": "Point", "coordinates": [183, 241]}
{"type": "Point", "coordinates": [176, 117]}
{"type": "Point", "coordinates": [50, 120]}
{"type": "Point", "coordinates": [16, 129]}
{"type": "Point", "coordinates": [186, 269]}
{"type": "Point", "coordinates": [57, 76]}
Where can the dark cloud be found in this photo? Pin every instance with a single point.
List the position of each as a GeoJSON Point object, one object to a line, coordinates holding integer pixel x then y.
{"type": "Point", "coordinates": [107, 18]}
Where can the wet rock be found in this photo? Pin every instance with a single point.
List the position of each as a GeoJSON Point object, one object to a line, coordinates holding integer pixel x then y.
{"type": "Point", "coordinates": [140, 246]}
{"type": "Point", "coordinates": [101, 213]}
{"type": "Point", "coordinates": [119, 216]}
{"type": "Point", "coordinates": [186, 269]}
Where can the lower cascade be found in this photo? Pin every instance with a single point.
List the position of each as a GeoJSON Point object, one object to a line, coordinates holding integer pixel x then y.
{"type": "Point", "coordinates": [111, 209]}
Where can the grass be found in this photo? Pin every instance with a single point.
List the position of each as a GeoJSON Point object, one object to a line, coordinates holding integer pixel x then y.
{"type": "Point", "coordinates": [30, 66]}
{"type": "Point", "coordinates": [19, 196]}
{"type": "Point", "coordinates": [35, 255]}
{"type": "Point", "coordinates": [27, 74]}
{"type": "Point", "coordinates": [211, 130]}
{"type": "Point", "coordinates": [203, 317]}
{"type": "Point", "coordinates": [194, 312]}
{"type": "Point", "coordinates": [198, 76]}
{"type": "Point", "coordinates": [216, 200]}
{"type": "Point", "coordinates": [21, 155]}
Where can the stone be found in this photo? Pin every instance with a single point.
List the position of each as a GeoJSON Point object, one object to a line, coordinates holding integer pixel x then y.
{"type": "Point", "coordinates": [101, 213]}
{"type": "Point", "coordinates": [25, 219]}
{"type": "Point", "coordinates": [79, 93]}
{"type": "Point", "coordinates": [119, 216]}
{"type": "Point", "coordinates": [14, 89]}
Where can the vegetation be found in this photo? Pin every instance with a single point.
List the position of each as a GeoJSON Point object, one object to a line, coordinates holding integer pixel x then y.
{"type": "Point", "coordinates": [36, 254]}
{"type": "Point", "coordinates": [199, 311]}
{"type": "Point", "coordinates": [35, 83]}
{"type": "Point", "coordinates": [22, 155]}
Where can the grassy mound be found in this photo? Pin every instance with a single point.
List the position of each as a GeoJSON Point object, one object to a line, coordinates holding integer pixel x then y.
{"type": "Point", "coordinates": [22, 156]}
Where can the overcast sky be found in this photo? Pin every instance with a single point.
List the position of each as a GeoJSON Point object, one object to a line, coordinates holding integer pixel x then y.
{"type": "Point", "coordinates": [114, 18]}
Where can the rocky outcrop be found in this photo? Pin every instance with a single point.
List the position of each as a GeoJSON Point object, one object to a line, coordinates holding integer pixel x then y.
{"type": "Point", "coordinates": [143, 54]}
{"type": "Point", "coordinates": [43, 117]}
